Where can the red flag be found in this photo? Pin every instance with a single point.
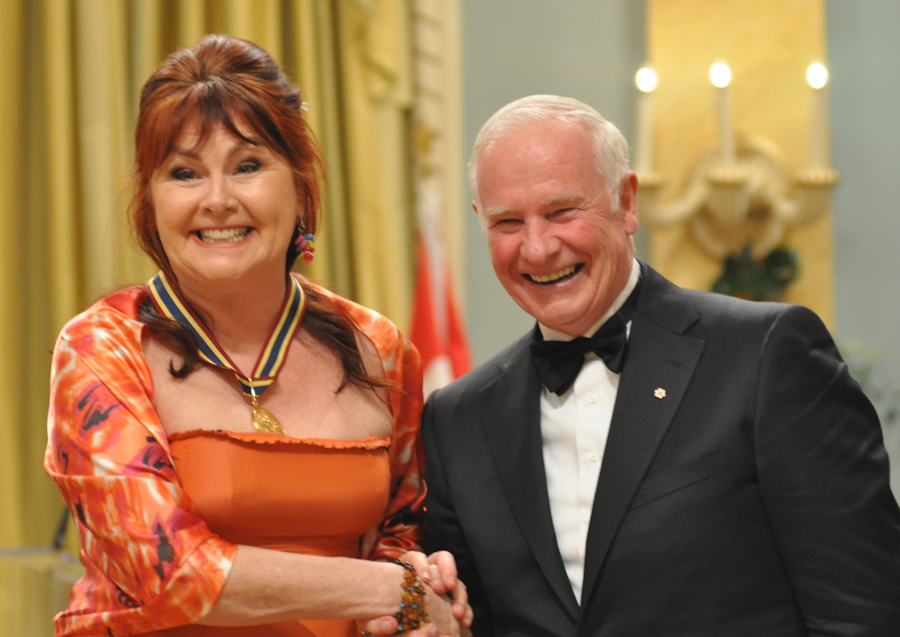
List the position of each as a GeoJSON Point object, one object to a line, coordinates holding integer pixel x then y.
{"type": "Point", "coordinates": [437, 330]}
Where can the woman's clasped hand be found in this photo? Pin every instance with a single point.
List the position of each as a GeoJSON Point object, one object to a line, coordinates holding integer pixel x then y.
{"type": "Point", "coordinates": [447, 600]}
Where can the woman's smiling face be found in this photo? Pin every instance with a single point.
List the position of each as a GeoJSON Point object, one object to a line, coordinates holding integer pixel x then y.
{"type": "Point", "coordinates": [225, 209]}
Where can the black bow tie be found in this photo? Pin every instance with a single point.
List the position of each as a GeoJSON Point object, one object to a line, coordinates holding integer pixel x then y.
{"type": "Point", "coordinates": [559, 362]}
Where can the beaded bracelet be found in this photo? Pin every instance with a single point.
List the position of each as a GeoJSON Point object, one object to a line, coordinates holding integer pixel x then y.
{"type": "Point", "coordinates": [412, 600]}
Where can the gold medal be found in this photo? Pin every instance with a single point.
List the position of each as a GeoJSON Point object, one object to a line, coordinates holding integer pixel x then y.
{"type": "Point", "coordinates": [264, 421]}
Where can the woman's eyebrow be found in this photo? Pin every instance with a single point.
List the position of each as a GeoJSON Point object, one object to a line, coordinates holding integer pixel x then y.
{"type": "Point", "coordinates": [240, 145]}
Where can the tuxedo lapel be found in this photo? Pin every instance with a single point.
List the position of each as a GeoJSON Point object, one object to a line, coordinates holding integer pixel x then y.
{"type": "Point", "coordinates": [657, 372]}
{"type": "Point", "coordinates": [512, 427]}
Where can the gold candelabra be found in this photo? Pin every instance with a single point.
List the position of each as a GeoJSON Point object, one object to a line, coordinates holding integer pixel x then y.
{"type": "Point", "coordinates": [739, 195]}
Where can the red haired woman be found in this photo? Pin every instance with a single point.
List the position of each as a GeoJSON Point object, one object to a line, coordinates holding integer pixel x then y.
{"type": "Point", "coordinates": [232, 439]}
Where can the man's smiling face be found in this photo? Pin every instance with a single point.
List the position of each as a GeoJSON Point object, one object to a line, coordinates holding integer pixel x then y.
{"type": "Point", "coordinates": [559, 246]}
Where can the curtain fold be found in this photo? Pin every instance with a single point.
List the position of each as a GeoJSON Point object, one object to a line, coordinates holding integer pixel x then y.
{"type": "Point", "coordinates": [313, 60]}
{"type": "Point", "coordinates": [12, 312]}
{"type": "Point", "coordinates": [376, 98]}
{"type": "Point", "coordinates": [72, 72]}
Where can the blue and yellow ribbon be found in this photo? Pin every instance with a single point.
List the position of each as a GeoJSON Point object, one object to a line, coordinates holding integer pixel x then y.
{"type": "Point", "coordinates": [171, 304]}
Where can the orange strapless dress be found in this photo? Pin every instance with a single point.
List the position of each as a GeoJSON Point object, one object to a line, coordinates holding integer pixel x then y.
{"type": "Point", "coordinates": [316, 497]}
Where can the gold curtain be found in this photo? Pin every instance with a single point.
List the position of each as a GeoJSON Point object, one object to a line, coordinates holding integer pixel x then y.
{"type": "Point", "coordinates": [71, 74]}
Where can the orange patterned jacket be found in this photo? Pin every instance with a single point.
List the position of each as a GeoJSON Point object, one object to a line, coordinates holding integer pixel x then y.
{"type": "Point", "coordinates": [151, 563]}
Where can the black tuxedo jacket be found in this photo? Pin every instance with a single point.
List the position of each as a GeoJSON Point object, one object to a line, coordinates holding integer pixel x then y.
{"type": "Point", "coordinates": [752, 499]}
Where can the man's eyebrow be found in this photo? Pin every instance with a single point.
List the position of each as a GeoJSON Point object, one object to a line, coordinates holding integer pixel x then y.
{"type": "Point", "coordinates": [497, 212]}
{"type": "Point", "coordinates": [565, 198]}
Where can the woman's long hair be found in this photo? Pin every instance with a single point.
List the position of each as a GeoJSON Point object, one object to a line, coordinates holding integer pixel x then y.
{"type": "Point", "coordinates": [222, 80]}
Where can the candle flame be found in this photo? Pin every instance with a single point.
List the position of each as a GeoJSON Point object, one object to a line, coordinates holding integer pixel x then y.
{"type": "Point", "coordinates": [720, 74]}
{"type": "Point", "coordinates": [645, 79]}
{"type": "Point", "coordinates": [817, 75]}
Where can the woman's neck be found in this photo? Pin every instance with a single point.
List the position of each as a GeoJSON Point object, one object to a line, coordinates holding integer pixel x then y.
{"type": "Point", "coordinates": [241, 316]}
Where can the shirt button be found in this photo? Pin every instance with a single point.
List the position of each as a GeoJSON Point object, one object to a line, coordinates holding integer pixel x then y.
{"type": "Point", "coordinates": [594, 457]}
{"type": "Point", "coordinates": [592, 399]}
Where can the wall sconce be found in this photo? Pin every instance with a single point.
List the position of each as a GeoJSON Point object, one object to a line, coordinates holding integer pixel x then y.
{"type": "Point", "coordinates": [739, 199]}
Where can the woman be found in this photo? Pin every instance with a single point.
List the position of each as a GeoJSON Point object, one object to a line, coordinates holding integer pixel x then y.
{"type": "Point", "coordinates": [231, 438]}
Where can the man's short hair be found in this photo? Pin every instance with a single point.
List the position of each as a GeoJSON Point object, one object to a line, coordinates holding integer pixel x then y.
{"type": "Point", "coordinates": [610, 147]}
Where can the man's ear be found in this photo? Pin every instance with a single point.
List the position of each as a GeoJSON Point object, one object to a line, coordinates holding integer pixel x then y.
{"type": "Point", "coordinates": [628, 202]}
{"type": "Point", "coordinates": [481, 223]}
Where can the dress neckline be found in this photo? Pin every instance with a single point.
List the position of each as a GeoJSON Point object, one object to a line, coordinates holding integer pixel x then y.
{"type": "Point", "coordinates": [370, 442]}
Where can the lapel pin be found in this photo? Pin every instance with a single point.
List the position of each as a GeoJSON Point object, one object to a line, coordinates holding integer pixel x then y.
{"type": "Point", "coordinates": [660, 393]}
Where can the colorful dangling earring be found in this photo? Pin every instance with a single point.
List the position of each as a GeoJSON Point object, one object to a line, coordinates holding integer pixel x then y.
{"type": "Point", "coordinates": [304, 243]}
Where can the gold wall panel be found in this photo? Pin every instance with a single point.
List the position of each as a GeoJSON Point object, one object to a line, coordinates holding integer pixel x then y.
{"type": "Point", "coordinates": [768, 44]}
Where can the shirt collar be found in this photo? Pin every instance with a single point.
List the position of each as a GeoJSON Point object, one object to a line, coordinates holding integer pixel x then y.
{"type": "Point", "coordinates": [551, 334]}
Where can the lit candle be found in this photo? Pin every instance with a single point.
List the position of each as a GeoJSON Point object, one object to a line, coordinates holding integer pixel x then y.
{"type": "Point", "coordinates": [646, 82]}
{"type": "Point", "coordinates": [720, 76]}
{"type": "Point", "coordinates": [817, 76]}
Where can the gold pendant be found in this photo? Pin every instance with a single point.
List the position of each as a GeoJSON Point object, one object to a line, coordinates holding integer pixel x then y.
{"type": "Point", "coordinates": [264, 421]}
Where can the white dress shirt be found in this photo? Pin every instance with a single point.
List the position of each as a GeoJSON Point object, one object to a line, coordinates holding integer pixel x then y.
{"type": "Point", "coordinates": [574, 428]}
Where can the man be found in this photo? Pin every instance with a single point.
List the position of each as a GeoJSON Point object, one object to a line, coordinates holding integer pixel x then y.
{"type": "Point", "coordinates": [720, 474]}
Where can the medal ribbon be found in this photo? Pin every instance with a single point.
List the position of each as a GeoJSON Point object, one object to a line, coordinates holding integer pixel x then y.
{"type": "Point", "coordinates": [170, 303]}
